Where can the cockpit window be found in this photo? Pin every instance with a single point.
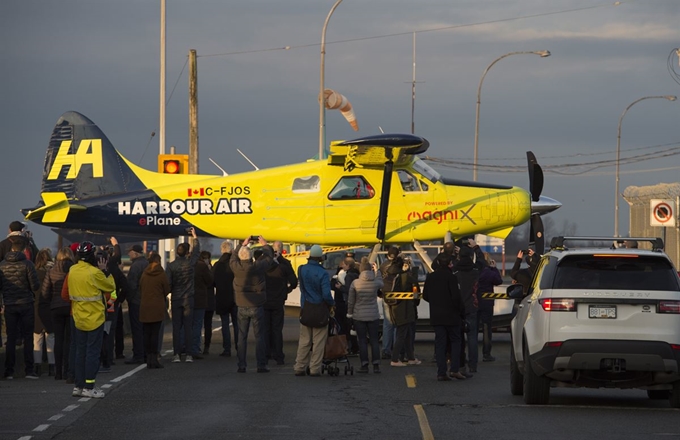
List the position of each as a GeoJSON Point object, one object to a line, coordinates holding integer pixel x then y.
{"type": "Point", "coordinates": [352, 187]}
{"type": "Point", "coordinates": [306, 184]}
{"type": "Point", "coordinates": [408, 182]}
{"type": "Point", "coordinates": [427, 171]}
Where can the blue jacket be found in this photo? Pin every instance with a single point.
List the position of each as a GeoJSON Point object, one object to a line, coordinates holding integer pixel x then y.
{"type": "Point", "coordinates": [315, 284]}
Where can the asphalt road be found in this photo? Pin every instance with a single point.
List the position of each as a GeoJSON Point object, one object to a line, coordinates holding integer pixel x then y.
{"type": "Point", "coordinates": [210, 400]}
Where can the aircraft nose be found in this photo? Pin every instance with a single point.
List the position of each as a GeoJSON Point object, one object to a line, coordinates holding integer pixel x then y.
{"type": "Point", "coordinates": [544, 205]}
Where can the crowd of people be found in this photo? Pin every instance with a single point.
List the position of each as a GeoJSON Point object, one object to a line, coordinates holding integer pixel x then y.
{"type": "Point", "coordinates": [71, 306]}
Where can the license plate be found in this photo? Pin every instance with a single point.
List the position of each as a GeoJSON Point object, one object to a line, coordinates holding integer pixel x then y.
{"type": "Point", "coordinates": [602, 312]}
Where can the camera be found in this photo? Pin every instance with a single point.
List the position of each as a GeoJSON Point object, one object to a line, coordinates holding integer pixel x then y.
{"type": "Point", "coordinates": [189, 230]}
{"type": "Point", "coordinates": [254, 239]}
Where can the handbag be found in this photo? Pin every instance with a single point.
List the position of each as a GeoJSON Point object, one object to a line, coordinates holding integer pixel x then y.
{"type": "Point", "coordinates": [336, 345]}
{"type": "Point", "coordinates": [314, 315]}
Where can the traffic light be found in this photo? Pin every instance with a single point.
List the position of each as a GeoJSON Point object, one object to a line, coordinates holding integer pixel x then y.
{"type": "Point", "coordinates": [173, 163]}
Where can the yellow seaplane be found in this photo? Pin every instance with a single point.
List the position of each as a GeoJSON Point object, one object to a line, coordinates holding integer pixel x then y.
{"type": "Point", "coordinates": [371, 190]}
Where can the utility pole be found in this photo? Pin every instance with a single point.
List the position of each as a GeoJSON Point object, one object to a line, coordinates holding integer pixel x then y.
{"type": "Point", "coordinates": [193, 113]}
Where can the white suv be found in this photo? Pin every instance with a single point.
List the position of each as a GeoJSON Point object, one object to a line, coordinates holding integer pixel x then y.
{"type": "Point", "coordinates": [598, 317]}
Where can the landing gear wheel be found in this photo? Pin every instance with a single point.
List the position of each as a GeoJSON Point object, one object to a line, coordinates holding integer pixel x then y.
{"type": "Point", "coordinates": [516, 379]}
{"type": "Point", "coordinates": [536, 388]}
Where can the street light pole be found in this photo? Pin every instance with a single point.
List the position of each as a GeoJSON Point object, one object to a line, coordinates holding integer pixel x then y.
{"type": "Point", "coordinates": [541, 53]}
{"type": "Point", "coordinates": [618, 156]}
{"type": "Point", "coordinates": [322, 96]}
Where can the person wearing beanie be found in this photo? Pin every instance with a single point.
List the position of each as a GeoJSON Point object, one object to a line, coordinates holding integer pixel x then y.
{"type": "Point", "coordinates": [315, 289]}
{"type": "Point", "coordinates": [250, 294]}
{"type": "Point", "coordinates": [88, 282]}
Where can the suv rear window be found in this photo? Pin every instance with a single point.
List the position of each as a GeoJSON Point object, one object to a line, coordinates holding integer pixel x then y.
{"type": "Point", "coordinates": [630, 272]}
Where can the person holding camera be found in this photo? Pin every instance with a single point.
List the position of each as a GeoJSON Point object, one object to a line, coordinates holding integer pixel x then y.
{"type": "Point", "coordinates": [18, 229]}
{"type": "Point", "coordinates": [521, 275]}
{"type": "Point", "coordinates": [447, 314]}
{"type": "Point", "coordinates": [250, 294]}
{"type": "Point", "coordinates": [88, 282]}
{"type": "Point", "coordinates": [180, 273]}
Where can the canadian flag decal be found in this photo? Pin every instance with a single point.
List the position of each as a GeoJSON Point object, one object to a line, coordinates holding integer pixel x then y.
{"type": "Point", "coordinates": [195, 192]}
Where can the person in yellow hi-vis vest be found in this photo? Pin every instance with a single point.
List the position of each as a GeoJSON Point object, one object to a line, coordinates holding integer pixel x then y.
{"type": "Point", "coordinates": [88, 282]}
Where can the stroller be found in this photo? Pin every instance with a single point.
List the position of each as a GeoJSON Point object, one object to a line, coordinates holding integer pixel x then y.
{"type": "Point", "coordinates": [335, 351]}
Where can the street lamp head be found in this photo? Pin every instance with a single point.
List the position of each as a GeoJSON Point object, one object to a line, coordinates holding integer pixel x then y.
{"type": "Point", "coordinates": [671, 97]}
{"type": "Point", "coordinates": [543, 53]}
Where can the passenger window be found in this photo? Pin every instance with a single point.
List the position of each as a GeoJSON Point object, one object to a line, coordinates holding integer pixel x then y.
{"type": "Point", "coordinates": [352, 187]}
{"type": "Point", "coordinates": [306, 184]}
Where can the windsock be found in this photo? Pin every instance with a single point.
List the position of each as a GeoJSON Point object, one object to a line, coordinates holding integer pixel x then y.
{"type": "Point", "coordinates": [336, 100]}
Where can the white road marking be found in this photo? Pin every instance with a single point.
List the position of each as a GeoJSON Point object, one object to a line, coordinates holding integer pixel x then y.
{"type": "Point", "coordinates": [108, 385]}
{"type": "Point", "coordinates": [129, 373]}
{"type": "Point", "coordinates": [70, 408]}
{"type": "Point", "coordinates": [41, 428]}
{"type": "Point", "coordinates": [26, 437]}
{"type": "Point", "coordinates": [56, 417]}
{"type": "Point", "coordinates": [84, 399]}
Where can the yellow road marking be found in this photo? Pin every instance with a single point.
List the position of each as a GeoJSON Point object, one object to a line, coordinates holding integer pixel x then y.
{"type": "Point", "coordinates": [411, 380]}
{"type": "Point", "coordinates": [424, 425]}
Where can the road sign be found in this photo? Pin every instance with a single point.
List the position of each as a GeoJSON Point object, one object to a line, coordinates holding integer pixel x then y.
{"type": "Point", "coordinates": [488, 244]}
{"type": "Point", "coordinates": [662, 212]}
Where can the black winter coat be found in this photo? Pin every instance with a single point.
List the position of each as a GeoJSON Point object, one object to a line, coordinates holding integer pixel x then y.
{"type": "Point", "coordinates": [280, 280]}
{"type": "Point", "coordinates": [203, 281]}
{"type": "Point", "coordinates": [18, 280]}
{"type": "Point", "coordinates": [441, 291]}
{"type": "Point", "coordinates": [223, 278]}
{"type": "Point", "coordinates": [134, 295]}
{"type": "Point", "coordinates": [180, 274]}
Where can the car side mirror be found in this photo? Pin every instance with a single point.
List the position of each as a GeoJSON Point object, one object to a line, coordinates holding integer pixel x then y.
{"type": "Point", "coordinates": [515, 291]}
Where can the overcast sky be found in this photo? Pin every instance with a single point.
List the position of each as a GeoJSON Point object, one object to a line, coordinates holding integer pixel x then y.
{"type": "Point", "coordinates": [101, 58]}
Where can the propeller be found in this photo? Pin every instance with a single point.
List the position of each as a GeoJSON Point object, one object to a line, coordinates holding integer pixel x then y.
{"type": "Point", "coordinates": [536, 233]}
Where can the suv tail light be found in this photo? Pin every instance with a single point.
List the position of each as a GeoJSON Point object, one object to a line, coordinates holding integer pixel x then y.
{"type": "Point", "coordinates": [558, 304]}
{"type": "Point", "coordinates": [669, 307]}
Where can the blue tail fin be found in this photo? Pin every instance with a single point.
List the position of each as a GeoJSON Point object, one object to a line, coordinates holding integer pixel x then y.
{"type": "Point", "coordinates": [81, 162]}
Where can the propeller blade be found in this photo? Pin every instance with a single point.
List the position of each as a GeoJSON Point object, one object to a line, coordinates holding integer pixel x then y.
{"type": "Point", "coordinates": [385, 197]}
{"type": "Point", "coordinates": [536, 234]}
{"type": "Point", "coordinates": [535, 177]}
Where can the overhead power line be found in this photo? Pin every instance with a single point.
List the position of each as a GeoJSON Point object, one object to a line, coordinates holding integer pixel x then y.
{"type": "Point", "coordinates": [422, 31]}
